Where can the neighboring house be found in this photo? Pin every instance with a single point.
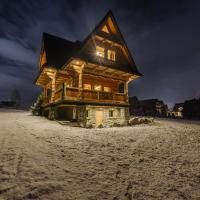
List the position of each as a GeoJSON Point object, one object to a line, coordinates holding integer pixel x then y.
{"type": "Point", "coordinates": [87, 81]}
{"type": "Point", "coordinates": [191, 109]}
{"type": "Point", "coordinates": [178, 110]}
{"type": "Point", "coordinates": [148, 107]}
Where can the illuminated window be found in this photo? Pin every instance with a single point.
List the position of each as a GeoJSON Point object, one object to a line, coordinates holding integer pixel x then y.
{"type": "Point", "coordinates": [105, 29]}
{"type": "Point", "coordinates": [97, 87]}
{"type": "Point", "coordinates": [111, 55]}
{"type": "Point", "coordinates": [87, 86]}
{"type": "Point", "coordinates": [106, 89]}
{"type": "Point", "coordinates": [111, 113]}
{"type": "Point", "coordinates": [100, 51]}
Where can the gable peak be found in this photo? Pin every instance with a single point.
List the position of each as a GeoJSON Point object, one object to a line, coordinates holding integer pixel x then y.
{"type": "Point", "coordinates": [105, 29]}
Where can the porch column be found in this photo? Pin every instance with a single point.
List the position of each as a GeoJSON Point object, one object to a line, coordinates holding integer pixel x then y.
{"type": "Point", "coordinates": [53, 87]}
{"type": "Point", "coordinates": [45, 91]}
{"type": "Point", "coordinates": [126, 91]}
{"type": "Point", "coordinates": [64, 90]}
{"type": "Point", "coordinates": [80, 81]}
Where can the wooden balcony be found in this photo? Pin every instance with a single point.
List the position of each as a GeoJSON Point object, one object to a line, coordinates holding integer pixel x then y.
{"type": "Point", "coordinates": [72, 93]}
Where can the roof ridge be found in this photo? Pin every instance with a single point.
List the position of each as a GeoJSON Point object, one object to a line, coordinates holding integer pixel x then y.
{"type": "Point", "coordinates": [57, 37]}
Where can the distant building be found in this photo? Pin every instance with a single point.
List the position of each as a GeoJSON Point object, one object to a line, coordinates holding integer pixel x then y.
{"type": "Point", "coordinates": [177, 110]}
{"type": "Point", "coordinates": [148, 107]}
{"type": "Point", "coordinates": [191, 109]}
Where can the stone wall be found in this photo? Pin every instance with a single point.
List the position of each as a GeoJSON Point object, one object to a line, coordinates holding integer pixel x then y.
{"type": "Point", "coordinates": [86, 115]}
{"type": "Point", "coordinates": [81, 115]}
{"type": "Point", "coordinates": [120, 116]}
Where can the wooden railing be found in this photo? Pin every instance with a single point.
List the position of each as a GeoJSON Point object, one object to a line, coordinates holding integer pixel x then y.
{"type": "Point", "coordinates": [72, 93]}
{"type": "Point", "coordinates": [58, 95]}
{"type": "Point", "coordinates": [120, 97]}
{"type": "Point", "coordinates": [96, 95]}
{"type": "Point", "coordinates": [89, 94]}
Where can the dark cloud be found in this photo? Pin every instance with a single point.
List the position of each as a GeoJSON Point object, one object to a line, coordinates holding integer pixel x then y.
{"type": "Point", "coordinates": [162, 36]}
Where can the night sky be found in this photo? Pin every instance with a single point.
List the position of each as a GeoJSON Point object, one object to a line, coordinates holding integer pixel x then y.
{"type": "Point", "coordinates": [162, 35]}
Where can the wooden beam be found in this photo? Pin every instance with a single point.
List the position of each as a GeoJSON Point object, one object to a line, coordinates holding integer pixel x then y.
{"type": "Point", "coordinates": [53, 87]}
{"type": "Point", "coordinates": [80, 81]}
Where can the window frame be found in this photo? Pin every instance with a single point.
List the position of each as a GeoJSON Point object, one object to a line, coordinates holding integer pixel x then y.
{"type": "Point", "coordinates": [111, 113]}
{"type": "Point", "coordinates": [87, 85]}
{"type": "Point", "coordinates": [107, 88]}
{"type": "Point", "coordinates": [101, 52]}
{"type": "Point", "coordinates": [111, 55]}
{"type": "Point", "coordinates": [87, 113]}
{"type": "Point", "coordinates": [96, 89]}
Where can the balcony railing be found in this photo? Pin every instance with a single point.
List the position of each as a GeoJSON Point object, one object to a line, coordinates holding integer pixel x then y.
{"type": "Point", "coordinates": [72, 93]}
{"type": "Point", "coordinates": [58, 95]}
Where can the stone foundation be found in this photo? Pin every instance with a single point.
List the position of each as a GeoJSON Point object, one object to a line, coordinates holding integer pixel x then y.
{"type": "Point", "coordinates": [95, 116]}
{"type": "Point", "coordinates": [112, 116]}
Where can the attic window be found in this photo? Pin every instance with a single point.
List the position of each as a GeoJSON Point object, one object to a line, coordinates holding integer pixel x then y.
{"type": "Point", "coordinates": [105, 29]}
{"type": "Point", "coordinates": [111, 55]}
{"type": "Point", "coordinates": [100, 51]}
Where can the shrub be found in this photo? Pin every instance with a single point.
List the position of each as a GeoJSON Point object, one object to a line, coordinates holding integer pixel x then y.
{"type": "Point", "coordinates": [142, 120]}
{"type": "Point", "coordinates": [36, 109]}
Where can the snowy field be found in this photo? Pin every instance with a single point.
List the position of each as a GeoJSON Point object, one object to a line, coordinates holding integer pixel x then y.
{"type": "Point", "coordinates": [41, 159]}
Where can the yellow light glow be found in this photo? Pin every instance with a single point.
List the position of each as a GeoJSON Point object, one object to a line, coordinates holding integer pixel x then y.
{"type": "Point", "coordinates": [87, 86]}
{"type": "Point", "coordinates": [99, 51]}
{"type": "Point", "coordinates": [106, 89]}
{"type": "Point", "coordinates": [111, 55]}
{"type": "Point", "coordinates": [97, 87]}
{"type": "Point", "coordinates": [105, 29]}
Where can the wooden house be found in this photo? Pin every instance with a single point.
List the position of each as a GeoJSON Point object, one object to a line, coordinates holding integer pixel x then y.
{"type": "Point", "coordinates": [177, 110]}
{"type": "Point", "coordinates": [87, 81]}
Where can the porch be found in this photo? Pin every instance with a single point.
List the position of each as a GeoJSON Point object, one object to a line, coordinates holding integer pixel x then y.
{"type": "Point", "coordinates": [77, 94]}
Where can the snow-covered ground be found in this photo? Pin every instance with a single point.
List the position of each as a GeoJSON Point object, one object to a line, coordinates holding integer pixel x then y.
{"type": "Point", "coordinates": [41, 159]}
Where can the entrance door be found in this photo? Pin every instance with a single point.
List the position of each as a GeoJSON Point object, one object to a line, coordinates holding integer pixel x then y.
{"type": "Point", "coordinates": [99, 117]}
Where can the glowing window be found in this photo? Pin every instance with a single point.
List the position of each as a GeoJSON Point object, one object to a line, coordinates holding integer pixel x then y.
{"type": "Point", "coordinates": [106, 89]}
{"type": "Point", "coordinates": [100, 51]}
{"type": "Point", "coordinates": [105, 29]}
{"type": "Point", "coordinates": [111, 55]}
{"type": "Point", "coordinates": [97, 87]}
{"type": "Point", "coordinates": [87, 86]}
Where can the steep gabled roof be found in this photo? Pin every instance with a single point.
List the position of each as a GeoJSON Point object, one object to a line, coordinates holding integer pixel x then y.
{"type": "Point", "coordinates": [58, 50]}
{"type": "Point", "coordinates": [114, 35]}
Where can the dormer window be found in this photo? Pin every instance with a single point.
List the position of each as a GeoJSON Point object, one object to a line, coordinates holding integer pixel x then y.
{"type": "Point", "coordinates": [111, 55]}
{"type": "Point", "coordinates": [100, 51]}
